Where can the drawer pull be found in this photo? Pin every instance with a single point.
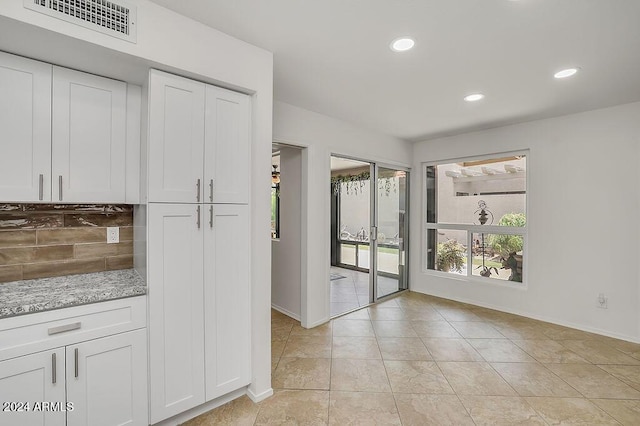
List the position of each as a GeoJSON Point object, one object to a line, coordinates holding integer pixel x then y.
{"type": "Point", "coordinates": [64, 328]}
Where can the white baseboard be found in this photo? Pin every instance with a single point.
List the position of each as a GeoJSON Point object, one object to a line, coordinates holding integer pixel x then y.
{"type": "Point", "coordinates": [286, 312]}
{"type": "Point", "coordinates": [259, 397]}
{"type": "Point", "coordinates": [535, 317]}
{"type": "Point", "coordinates": [317, 323]}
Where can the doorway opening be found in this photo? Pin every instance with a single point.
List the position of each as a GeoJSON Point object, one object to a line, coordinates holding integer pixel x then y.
{"type": "Point", "coordinates": [369, 212]}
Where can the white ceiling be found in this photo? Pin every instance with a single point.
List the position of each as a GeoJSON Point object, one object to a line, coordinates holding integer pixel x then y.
{"type": "Point", "coordinates": [333, 57]}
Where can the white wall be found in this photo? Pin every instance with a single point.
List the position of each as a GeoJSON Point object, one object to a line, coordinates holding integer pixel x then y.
{"type": "Point", "coordinates": [583, 214]}
{"type": "Point", "coordinates": [324, 136]}
{"type": "Point", "coordinates": [177, 44]}
{"type": "Point", "coordinates": [286, 268]}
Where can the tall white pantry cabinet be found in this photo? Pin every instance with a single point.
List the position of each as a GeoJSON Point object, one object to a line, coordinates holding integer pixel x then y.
{"type": "Point", "coordinates": [198, 243]}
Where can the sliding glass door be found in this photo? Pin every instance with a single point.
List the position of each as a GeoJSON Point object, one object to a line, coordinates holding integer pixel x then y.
{"type": "Point", "coordinates": [369, 214]}
{"type": "Point", "coordinates": [389, 234]}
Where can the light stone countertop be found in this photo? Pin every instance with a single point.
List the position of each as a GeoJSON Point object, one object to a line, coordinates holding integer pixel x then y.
{"type": "Point", "coordinates": [45, 294]}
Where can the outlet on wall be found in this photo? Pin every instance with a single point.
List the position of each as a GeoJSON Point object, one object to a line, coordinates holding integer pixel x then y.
{"type": "Point", "coordinates": [602, 301]}
{"type": "Point", "coordinates": [113, 234]}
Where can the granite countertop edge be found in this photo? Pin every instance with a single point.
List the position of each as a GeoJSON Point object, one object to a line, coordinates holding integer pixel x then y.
{"type": "Point", "coordinates": [45, 294]}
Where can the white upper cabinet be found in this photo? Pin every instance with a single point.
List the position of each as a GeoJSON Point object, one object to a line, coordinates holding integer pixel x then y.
{"type": "Point", "coordinates": [199, 142]}
{"type": "Point", "coordinates": [25, 129]}
{"type": "Point", "coordinates": [63, 134]}
{"type": "Point", "coordinates": [227, 150]}
{"type": "Point", "coordinates": [88, 138]}
{"type": "Point", "coordinates": [176, 139]}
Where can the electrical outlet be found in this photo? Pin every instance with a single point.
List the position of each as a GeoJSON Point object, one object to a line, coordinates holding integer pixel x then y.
{"type": "Point", "coordinates": [602, 301]}
{"type": "Point", "coordinates": [113, 234]}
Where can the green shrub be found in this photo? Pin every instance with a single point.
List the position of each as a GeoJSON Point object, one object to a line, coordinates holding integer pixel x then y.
{"type": "Point", "coordinates": [451, 256]}
{"type": "Point", "coordinates": [506, 244]}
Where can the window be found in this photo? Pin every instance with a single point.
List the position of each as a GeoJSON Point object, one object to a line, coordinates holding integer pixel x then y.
{"type": "Point", "coordinates": [476, 217]}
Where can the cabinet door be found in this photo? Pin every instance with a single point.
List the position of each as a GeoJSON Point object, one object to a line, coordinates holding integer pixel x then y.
{"type": "Point", "coordinates": [176, 138]}
{"type": "Point", "coordinates": [88, 138]}
{"type": "Point", "coordinates": [227, 146]}
{"type": "Point", "coordinates": [25, 129]}
{"type": "Point", "coordinates": [227, 299]}
{"type": "Point", "coordinates": [176, 309]}
{"type": "Point", "coordinates": [33, 379]}
{"type": "Point", "coordinates": [107, 380]}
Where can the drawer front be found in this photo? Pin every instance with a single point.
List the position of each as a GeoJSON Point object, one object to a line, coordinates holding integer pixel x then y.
{"type": "Point", "coordinates": [46, 330]}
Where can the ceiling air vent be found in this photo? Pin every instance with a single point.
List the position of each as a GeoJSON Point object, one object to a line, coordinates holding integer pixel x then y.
{"type": "Point", "coordinates": [113, 18]}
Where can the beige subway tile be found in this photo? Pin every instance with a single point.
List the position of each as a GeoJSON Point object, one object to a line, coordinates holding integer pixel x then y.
{"type": "Point", "coordinates": [28, 220]}
{"type": "Point", "coordinates": [71, 236]}
{"type": "Point", "coordinates": [126, 233]}
{"type": "Point", "coordinates": [17, 238]}
{"type": "Point", "coordinates": [56, 269]}
{"type": "Point", "coordinates": [21, 255]}
{"type": "Point", "coordinates": [98, 219]}
{"type": "Point", "coordinates": [85, 251]}
{"type": "Point", "coordinates": [10, 273]}
{"type": "Point", "coordinates": [119, 262]}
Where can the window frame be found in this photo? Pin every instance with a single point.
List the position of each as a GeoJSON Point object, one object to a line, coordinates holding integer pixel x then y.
{"type": "Point", "coordinates": [470, 229]}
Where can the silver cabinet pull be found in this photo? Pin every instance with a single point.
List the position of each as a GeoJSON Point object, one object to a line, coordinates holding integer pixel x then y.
{"type": "Point", "coordinates": [198, 189]}
{"type": "Point", "coordinates": [60, 187]}
{"type": "Point", "coordinates": [211, 190]}
{"type": "Point", "coordinates": [53, 368]}
{"type": "Point", "coordinates": [198, 216]}
{"type": "Point", "coordinates": [75, 356]}
{"type": "Point", "coordinates": [40, 187]}
{"type": "Point", "coordinates": [64, 328]}
{"type": "Point", "coordinates": [211, 217]}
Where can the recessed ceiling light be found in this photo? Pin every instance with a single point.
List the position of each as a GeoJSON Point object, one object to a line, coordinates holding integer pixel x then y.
{"type": "Point", "coordinates": [566, 73]}
{"type": "Point", "coordinates": [402, 44]}
{"type": "Point", "coordinates": [474, 97]}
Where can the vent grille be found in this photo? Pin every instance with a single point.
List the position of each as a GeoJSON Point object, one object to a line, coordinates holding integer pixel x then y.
{"type": "Point", "coordinates": [108, 17]}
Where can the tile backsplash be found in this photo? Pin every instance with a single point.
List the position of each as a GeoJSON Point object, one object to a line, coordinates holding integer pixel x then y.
{"type": "Point", "coordinates": [49, 240]}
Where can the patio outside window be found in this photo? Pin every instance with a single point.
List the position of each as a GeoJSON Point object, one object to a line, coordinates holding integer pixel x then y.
{"type": "Point", "coordinates": [476, 217]}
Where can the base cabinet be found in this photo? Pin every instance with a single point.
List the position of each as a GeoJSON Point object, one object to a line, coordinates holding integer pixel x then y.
{"type": "Point", "coordinates": [107, 380]}
{"type": "Point", "coordinates": [31, 379]}
{"type": "Point", "coordinates": [101, 382]}
{"type": "Point", "coordinates": [226, 298]}
{"type": "Point", "coordinates": [176, 309]}
{"type": "Point", "coordinates": [199, 304]}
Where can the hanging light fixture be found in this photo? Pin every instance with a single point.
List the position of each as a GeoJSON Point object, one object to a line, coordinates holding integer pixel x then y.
{"type": "Point", "coordinates": [275, 175]}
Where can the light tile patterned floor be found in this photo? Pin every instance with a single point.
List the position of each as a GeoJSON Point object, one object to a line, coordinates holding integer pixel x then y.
{"type": "Point", "coordinates": [352, 290]}
{"type": "Point", "coordinates": [421, 360]}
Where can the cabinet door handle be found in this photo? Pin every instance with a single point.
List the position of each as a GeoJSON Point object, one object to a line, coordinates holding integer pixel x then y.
{"type": "Point", "coordinates": [53, 368]}
{"type": "Point", "coordinates": [60, 187]}
{"type": "Point", "coordinates": [40, 187]}
{"type": "Point", "coordinates": [198, 216]}
{"type": "Point", "coordinates": [64, 328]}
{"type": "Point", "coordinates": [211, 190]}
{"type": "Point", "coordinates": [198, 189]}
{"type": "Point", "coordinates": [211, 217]}
{"type": "Point", "coordinates": [75, 356]}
